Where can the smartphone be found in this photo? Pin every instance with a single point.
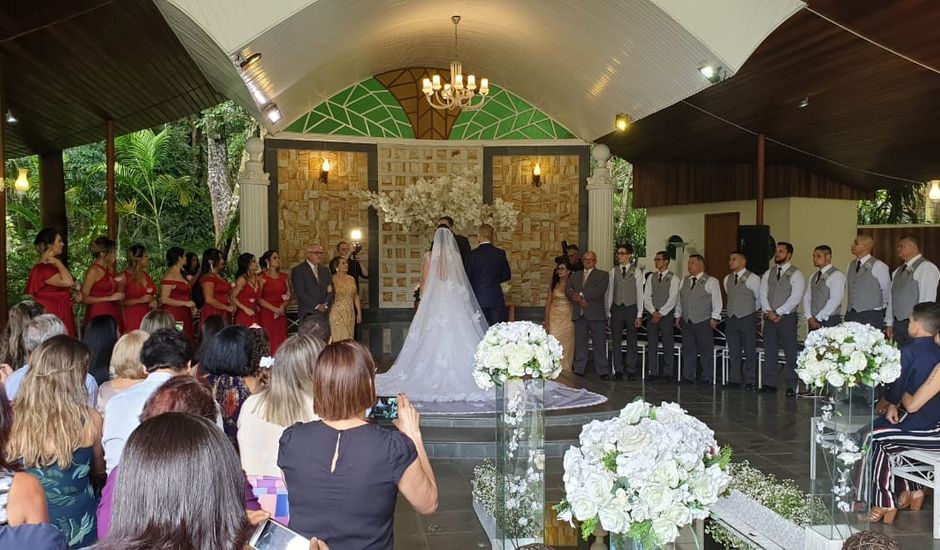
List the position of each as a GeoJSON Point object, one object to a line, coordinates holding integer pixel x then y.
{"type": "Point", "coordinates": [564, 248]}
{"type": "Point", "coordinates": [271, 535]}
{"type": "Point", "coordinates": [179, 326]}
{"type": "Point", "coordinates": [386, 406]}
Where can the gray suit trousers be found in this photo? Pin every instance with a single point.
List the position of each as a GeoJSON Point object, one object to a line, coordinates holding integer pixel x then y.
{"type": "Point", "coordinates": [776, 336]}
{"type": "Point", "coordinates": [623, 318]}
{"type": "Point", "coordinates": [873, 317]}
{"type": "Point", "coordinates": [901, 335]}
{"type": "Point", "coordinates": [656, 332]}
{"type": "Point", "coordinates": [698, 340]}
{"type": "Point", "coordinates": [741, 333]}
{"type": "Point", "coordinates": [597, 330]}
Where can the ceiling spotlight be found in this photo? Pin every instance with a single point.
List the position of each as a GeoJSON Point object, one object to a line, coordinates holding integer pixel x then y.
{"type": "Point", "coordinates": [712, 73]}
{"type": "Point", "coordinates": [10, 118]}
{"type": "Point", "coordinates": [273, 113]}
{"type": "Point", "coordinates": [804, 102]}
{"type": "Point", "coordinates": [245, 62]}
{"type": "Point", "coordinates": [623, 122]}
{"type": "Point", "coordinates": [256, 92]}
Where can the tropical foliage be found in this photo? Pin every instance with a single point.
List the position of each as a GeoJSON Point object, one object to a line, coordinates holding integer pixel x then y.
{"type": "Point", "coordinates": [629, 222]}
{"type": "Point", "coordinates": [894, 206]}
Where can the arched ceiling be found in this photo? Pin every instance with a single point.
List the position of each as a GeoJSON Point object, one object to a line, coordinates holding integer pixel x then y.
{"type": "Point", "coordinates": [580, 62]}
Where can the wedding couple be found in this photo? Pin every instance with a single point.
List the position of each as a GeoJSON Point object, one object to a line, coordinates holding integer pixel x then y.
{"type": "Point", "coordinates": [436, 361]}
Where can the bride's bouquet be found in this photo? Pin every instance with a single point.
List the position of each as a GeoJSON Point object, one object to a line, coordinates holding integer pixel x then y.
{"type": "Point", "coordinates": [520, 349]}
{"type": "Point", "coordinates": [644, 474]}
{"type": "Point", "coordinates": [846, 355]}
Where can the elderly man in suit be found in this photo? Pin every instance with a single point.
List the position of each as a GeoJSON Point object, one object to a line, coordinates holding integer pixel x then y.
{"type": "Point", "coordinates": [587, 292]}
{"type": "Point", "coordinates": [313, 284]}
{"type": "Point", "coordinates": [487, 268]}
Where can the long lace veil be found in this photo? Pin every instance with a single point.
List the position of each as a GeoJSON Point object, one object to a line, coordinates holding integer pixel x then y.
{"type": "Point", "coordinates": [446, 286]}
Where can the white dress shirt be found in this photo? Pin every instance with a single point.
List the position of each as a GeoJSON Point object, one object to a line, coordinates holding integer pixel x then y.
{"type": "Point", "coordinates": [927, 276]}
{"type": "Point", "coordinates": [881, 273]}
{"type": "Point", "coordinates": [752, 283]}
{"type": "Point", "coordinates": [836, 284]}
{"type": "Point", "coordinates": [638, 275]}
{"type": "Point", "coordinates": [797, 285]}
{"type": "Point", "coordinates": [713, 290]}
{"type": "Point", "coordinates": [670, 301]}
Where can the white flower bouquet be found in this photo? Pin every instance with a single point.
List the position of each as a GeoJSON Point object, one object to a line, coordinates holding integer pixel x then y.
{"type": "Point", "coordinates": [516, 350]}
{"type": "Point", "coordinates": [645, 474]}
{"type": "Point", "coordinates": [846, 355]}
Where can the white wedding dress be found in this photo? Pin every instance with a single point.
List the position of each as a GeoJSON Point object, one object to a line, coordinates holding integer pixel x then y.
{"type": "Point", "coordinates": [436, 361]}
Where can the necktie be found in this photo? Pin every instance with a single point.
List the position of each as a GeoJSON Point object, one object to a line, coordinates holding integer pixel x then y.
{"type": "Point", "coordinates": [735, 279]}
{"type": "Point", "coordinates": [858, 265]}
{"type": "Point", "coordinates": [660, 277]}
{"type": "Point", "coordinates": [316, 274]}
{"type": "Point", "coordinates": [818, 276]}
{"type": "Point", "coordinates": [623, 271]}
{"type": "Point", "coordinates": [693, 283]}
{"type": "Point", "coordinates": [584, 282]}
{"type": "Point", "coordinates": [779, 271]}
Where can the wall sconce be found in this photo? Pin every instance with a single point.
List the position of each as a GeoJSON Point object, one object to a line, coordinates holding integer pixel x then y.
{"type": "Point", "coordinates": [537, 175]}
{"type": "Point", "coordinates": [21, 185]}
{"type": "Point", "coordinates": [933, 195]}
{"type": "Point", "coordinates": [325, 171]}
{"type": "Point", "coordinates": [356, 236]}
{"type": "Point", "coordinates": [622, 122]}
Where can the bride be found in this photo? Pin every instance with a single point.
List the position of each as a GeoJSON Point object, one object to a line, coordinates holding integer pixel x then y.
{"type": "Point", "coordinates": [436, 360]}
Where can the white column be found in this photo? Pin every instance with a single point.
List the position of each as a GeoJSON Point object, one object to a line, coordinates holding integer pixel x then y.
{"type": "Point", "coordinates": [600, 188]}
{"type": "Point", "coordinates": [253, 204]}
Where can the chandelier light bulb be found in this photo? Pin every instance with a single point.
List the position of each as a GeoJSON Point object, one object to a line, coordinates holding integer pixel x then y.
{"type": "Point", "coordinates": [461, 92]}
{"type": "Point", "coordinates": [934, 193]}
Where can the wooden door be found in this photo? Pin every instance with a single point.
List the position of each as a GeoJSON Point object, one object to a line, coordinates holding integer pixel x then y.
{"type": "Point", "coordinates": [721, 239]}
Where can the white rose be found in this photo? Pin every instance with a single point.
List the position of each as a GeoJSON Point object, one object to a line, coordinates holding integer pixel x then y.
{"type": "Point", "coordinates": [665, 530]}
{"type": "Point", "coordinates": [857, 361]}
{"type": "Point", "coordinates": [704, 489]}
{"type": "Point", "coordinates": [636, 410]}
{"type": "Point", "coordinates": [614, 519]}
{"type": "Point", "coordinates": [483, 381]}
{"type": "Point", "coordinates": [583, 507]}
{"type": "Point", "coordinates": [657, 496]}
{"type": "Point", "coordinates": [667, 473]}
{"type": "Point", "coordinates": [678, 514]}
{"type": "Point", "coordinates": [598, 487]}
{"type": "Point", "coordinates": [835, 378]}
{"type": "Point", "coordinates": [631, 440]}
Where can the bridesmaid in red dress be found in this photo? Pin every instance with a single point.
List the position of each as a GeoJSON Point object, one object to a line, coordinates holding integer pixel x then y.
{"type": "Point", "coordinates": [246, 291]}
{"type": "Point", "coordinates": [101, 289]}
{"type": "Point", "coordinates": [174, 292]}
{"type": "Point", "coordinates": [49, 281]}
{"type": "Point", "coordinates": [140, 294]}
{"type": "Point", "coordinates": [216, 291]}
{"type": "Point", "coordinates": [275, 294]}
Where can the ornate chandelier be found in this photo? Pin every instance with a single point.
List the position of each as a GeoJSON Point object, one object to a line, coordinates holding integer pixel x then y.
{"type": "Point", "coordinates": [458, 93]}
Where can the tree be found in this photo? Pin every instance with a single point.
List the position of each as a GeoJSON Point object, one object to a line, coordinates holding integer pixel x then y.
{"type": "Point", "coordinates": [629, 222]}
{"type": "Point", "coordinates": [898, 205]}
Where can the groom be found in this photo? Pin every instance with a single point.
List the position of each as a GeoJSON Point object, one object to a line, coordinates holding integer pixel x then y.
{"type": "Point", "coordinates": [487, 267]}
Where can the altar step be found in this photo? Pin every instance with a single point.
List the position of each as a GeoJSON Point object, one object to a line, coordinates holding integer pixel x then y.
{"type": "Point", "coordinates": [480, 442]}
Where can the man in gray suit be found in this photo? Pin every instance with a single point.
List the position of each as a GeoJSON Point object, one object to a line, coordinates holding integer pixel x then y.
{"type": "Point", "coordinates": [313, 284]}
{"type": "Point", "coordinates": [587, 292]}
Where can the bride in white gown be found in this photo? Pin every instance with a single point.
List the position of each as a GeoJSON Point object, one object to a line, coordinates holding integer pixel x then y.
{"type": "Point", "coordinates": [436, 360]}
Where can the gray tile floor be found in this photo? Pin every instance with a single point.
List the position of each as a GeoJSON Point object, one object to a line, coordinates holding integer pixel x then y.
{"type": "Point", "coordinates": [769, 430]}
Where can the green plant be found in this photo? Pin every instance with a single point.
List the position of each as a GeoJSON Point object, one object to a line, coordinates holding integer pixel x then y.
{"type": "Point", "coordinates": [894, 206]}
{"type": "Point", "coordinates": [629, 222]}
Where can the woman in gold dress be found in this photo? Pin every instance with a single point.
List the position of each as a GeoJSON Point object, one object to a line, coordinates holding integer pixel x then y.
{"type": "Point", "coordinates": [558, 315]}
{"type": "Point", "coordinates": [346, 312]}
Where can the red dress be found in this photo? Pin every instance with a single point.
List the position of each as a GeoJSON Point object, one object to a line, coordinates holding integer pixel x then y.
{"type": "Point", "coordinates": [248, 296]}
{"type": "Point", "coordinates": [273, 291]}
{"type": "Point", "coordinates": [134, 314]}
{"type": "Point", "coordinates": [221, 293]}
{"type": "Point", "coordinates": [182, 314]}
{"type": "Point", "coordinates": [104, 287]}
{"type": "Point", "coordinates": [56, 300]}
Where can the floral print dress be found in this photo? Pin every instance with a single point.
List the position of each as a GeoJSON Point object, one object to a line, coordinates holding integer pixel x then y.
{"type": "Point", "coordinates": [72, 502]}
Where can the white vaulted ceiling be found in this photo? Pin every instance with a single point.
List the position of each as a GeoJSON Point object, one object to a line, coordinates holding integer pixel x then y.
{"type": "Point", "coordinates": [579, 61]}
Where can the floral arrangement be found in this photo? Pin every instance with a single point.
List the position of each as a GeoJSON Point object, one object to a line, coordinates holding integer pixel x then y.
{"type": "Point", "coordinates": [417, 207]}
{"type": "Point", "coordinates": [644, 474]}
{"type": "Point", "coordinates": [846, 355]}
{"type": "Point", "coordinates": [782, 496]}
{"type": "Point", "coordinates": [519, 519]}
{"type": "Point", "coordinates": [521, 349]}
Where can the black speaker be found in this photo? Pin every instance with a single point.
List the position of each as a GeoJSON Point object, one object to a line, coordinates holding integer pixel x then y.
{"type": "Point", "coordinates": [755, 242]}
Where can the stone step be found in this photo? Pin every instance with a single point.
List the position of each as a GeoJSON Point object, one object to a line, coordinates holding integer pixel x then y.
{"type": "Point", "coordinates": [477, 443]}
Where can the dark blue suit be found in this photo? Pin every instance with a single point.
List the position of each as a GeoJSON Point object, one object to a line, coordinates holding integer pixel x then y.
{"type": "Point", "coordinates": [487, 267]}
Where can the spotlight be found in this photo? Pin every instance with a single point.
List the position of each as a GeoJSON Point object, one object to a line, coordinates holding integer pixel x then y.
{"type": "Point", "coordinates": [245, 62]}
{"type": "Point", "coordinates": [712, 73]}
{"type": "Point", "coordinates": [10, 118]}
{"type": "Point", "coordinates": [273, 113]}
{"type": "Point", "coordinates": [623, 122]}
{"type": "Point", "coordinates": [356, 236]}
{"type": "Point", "coordinates": [804, 102]}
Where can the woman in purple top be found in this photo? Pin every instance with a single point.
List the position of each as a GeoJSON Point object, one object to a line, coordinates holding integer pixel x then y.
{"type": "Point", "coordinates": [344, 474]}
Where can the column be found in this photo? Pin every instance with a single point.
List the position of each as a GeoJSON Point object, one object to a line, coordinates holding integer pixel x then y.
{"type": "Point", "coordinates": [52, 197]}
{"type": "Point", "coordinates": [600, 188]}
{"type": "Point", "coordinates": [253, 204]}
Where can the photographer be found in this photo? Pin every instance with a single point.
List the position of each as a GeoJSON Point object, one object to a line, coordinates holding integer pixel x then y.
{"type": "Point", "coordinates": [350, 254]}
{"type": "Point", "coordinates": [570, 256]}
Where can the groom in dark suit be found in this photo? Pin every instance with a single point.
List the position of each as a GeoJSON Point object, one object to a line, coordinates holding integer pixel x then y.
{"type": "Point", "coordinates": [587, 292]}
{"type": "Point", "coordinates": [463, 244]}
{"type": "Point", "coordinates": [313, 284]}
{"type": "Point", "coordinates": [487, 267]}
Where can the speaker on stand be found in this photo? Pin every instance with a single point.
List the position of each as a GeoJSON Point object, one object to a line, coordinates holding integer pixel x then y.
{"type": "Point", "coordinates": [755, 242]}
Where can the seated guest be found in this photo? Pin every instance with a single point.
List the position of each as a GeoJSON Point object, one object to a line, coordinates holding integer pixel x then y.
{"type": "Point", "coordinates": [209, 328]}
{"type": "Point", "coordinates": [57, 436]}
{"type": "Point", "coordinates": [100, 336]}
{"type": "Point", "coordinates": [344, 474]}
{"type": "Point", "coordinates": [225, 360]}
{"type": "Point", "coordinates": [126, 369]}
{"type": "Point", "coordinates": [157, 319]}
{"type": "Point", "coordinates": [182, 394]}
{"type": "Point", "coordinates": [287, 400]}
{"type": "Point", "coordinates": [165, 354]}
{"type": "Point", "coordinates": [12, 351]}
{"type": "Point", "coordinates": [22, 498]}
{"type": "Point", "coordinates": [40, 329]}
{"type": "Point", "coordinates": [316, 326]}
{"type": "Point", "coordinates": [912, 421]}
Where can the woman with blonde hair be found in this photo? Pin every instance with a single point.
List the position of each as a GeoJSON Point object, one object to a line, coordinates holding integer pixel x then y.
{"type": "Point", "coordinates": [12, 350]}
{"type": "Point", "coordinates": [558, 321]}
{"type": "Point", "coordinates": [126, 368]}
{"type": "Point", "coordinates": [57, 436]}
{"type": "Point", "coordinates": [287, 400]}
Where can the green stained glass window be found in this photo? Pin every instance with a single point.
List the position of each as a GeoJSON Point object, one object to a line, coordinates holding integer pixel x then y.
{"type": "Point", "coordinates": [507, 116]}
{"type": "Point", "coordinates": [365, 109]}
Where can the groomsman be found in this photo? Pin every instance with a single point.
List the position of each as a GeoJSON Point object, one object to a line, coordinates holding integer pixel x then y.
{"type": "Point", "coordinates": [659, 300]}
{"type": "Point", "coordinates": [781, 289]}
{"type": "Point", "coordinates": [869, 285]}
{"type": "Point", "coordinates": [822, 301]}
{"type": "Point", "coordinates": [624, 297]}
{"type": "Point", "coordinates": [698, 311]}
{"type": "Point", "coordinates": [586, 292]}
{"type": "Point", "coordinates": [743, 290]}
{"type": "Point", "coordinates": [915, 281]}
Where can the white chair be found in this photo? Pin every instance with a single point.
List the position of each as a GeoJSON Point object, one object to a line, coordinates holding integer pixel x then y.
{"type": "Point", "coordinates": [921, 467]}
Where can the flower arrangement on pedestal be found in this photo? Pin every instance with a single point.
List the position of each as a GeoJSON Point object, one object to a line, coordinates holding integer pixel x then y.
{"type": "Point", "coordinates": [418, 206]}
{"type": "Point", "coordinates": [846, 355]}
{"type": "Point", "coordinates": [644, 474]}
{"type": "Point", "coordinates": [521, 349]}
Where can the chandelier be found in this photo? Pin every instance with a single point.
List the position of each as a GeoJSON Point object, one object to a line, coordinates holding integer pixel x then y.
{"type": "Point", "coordinates": [458, 93]}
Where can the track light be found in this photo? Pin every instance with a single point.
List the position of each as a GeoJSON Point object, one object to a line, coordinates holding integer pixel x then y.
{"type": "Point", "coordinates": [622, 122]}
{"type": "Point", "coordinates": [712, 73]}
{"type": "Point", "coordinates": [273, 113]}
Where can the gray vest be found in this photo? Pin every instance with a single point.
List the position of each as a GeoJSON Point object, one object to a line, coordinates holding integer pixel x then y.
{"type": "Point", "coordinates": [905, 292]}
{"type": "Point", "coordinates": [741, 302]}
{"type": "Point", "coordinates": [864, 290]}
{"type": "Point", "coordinates": [696, 303]}
{"type": "Point", "coordinates": [779, 291]}
{"type": "Point", "coordinates": [624, 291]}
{"type": "Point", "coordinates": [660, 290]}
{"type": "Point", "coordinates": [819, 292]}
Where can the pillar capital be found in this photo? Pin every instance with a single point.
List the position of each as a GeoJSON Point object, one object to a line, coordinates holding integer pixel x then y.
{"type": "Point", "coordinates": [253, 172]}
